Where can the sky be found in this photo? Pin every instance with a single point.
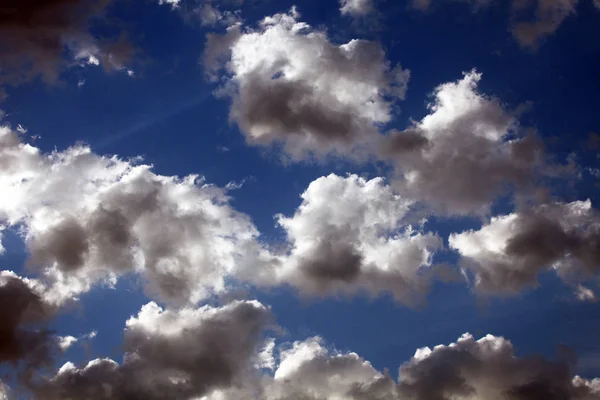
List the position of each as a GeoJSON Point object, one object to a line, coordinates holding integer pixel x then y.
{"type": "Point", "coordinates": [299, 200]}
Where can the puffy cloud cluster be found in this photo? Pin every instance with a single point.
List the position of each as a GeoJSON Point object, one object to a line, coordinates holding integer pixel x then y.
{"type": "Point", "coordinates": [87, 218]}
{"type": "Point", "coordinates": [350, 234]}
{"type": "Point", "coordinates": [509, 253]}
{"type": "Point", "coordinates": [463, 154]}
{"type": "Point", "coordinates": [291, 85]}
{"type": "Point", "coordinates": [170, 354]}
{"type": "Point", "coordinates": [356, 8]}
{"type": "Point", "coordinates": [468, 369]}
{"type": "Point", "coordinates": [35, 33]}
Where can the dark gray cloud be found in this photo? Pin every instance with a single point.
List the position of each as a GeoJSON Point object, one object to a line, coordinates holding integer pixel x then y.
{"type": "Point", "coordinates": [488, 368]}
{"type": "Point", "coordinates": [170, 355]}
{"type": "Point", "coordinates": [24, 339]}
{"type": "Point", "coordinates": [510, 252]}
{"type": "Point", "coordinates": [40, 38]}
{"type": "Point", "coordinates": [548, 15]}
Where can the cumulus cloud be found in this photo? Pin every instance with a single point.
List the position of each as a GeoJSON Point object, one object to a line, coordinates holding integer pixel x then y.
{"type": "Point", "coordinates": [488, 369]}
{"type": "Point", "coordinates": [35, 33]}
{"type": "Point", "coordinates": [509, 253]}
{"type": "Point", "coordinates": [549, 15]}
{"type": "Point", "coordinates": [350, 235]}
{"type": "Point", "coordinates": [24, 340]}
{"type": "Point", "coordinates": [291, 85]}
{"type": "Point", "coordinates": [468, 369]}
{"type": "Point", "coordinates": [356, 8]}
{"type": "Point", "coordinates": [170, 355]}
{"type": "Point", "coordinates": [464, 153]}
{"type": "Point", "coordinates": [87, 219]}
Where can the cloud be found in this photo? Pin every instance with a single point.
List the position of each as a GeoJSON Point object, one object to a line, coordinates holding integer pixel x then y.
{"type": "Point", "coordinates": [584, 294]}
{"type": "Point", "coordinates": [170, 354]}
{"type": "Point", "coordinates": [24, 340]}
{"type": "Point", "coordinates": [34, 35]}
{"type": "Point", "coordinates": [509, 253]}
{"type": "Point", "coordinates": [88, 219]}
{"type": "Point", "coordinates": [173, 3]}
{"type": "Point", "coordinates": [211, 16]}
{"type": "Point", "coordinates": [350, 235]}
{"type": "Point", "coordinates": [464, 153]}
{"type": "Point", "coordinates": [531, 21]}
{"type": "Point", "coordinates": [468, 369]}
{"type": "Point", "coordinates": [290, 85]}
{"type": "Point", "coordinates": [356, 8]}
{"type": "Point", "coordinates": [549, 15]}
{"type": "Point", "coordinates": [488, 369]}
{"type": "Point", "coordinates": [4, 391]}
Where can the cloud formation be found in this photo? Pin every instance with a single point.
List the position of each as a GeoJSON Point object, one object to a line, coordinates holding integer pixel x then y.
{"type": "Point", "coordinates": [464, 153]}
{"type": "Point", "coordinates": [468, 369]}
{"type": "Point", "coordinates": [350, 235]}
{"type": "Point", "coordinates": [356, 8]}
{"type": "Point", "coordinates": [549, 15]}
{"type": "Point", "coordinates": [40, 38]}
{"type": "Point", "coordinates": [88, 219]}
{"type": "Point", "coordinates": [170, 355]}
{"type": "Point", "coordinates": [509, 253]}
{"type": "Point", "coordinates": [290, 85]}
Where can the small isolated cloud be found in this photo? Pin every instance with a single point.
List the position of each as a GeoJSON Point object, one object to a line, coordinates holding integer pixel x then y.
{"type": "Point", "coordinates": [172, 3]}
{"type": "Point", "coordinates": [509, 253]}
{"type": "Point", "coordinates": [356, 8]}
{"type": "Point", "coordinates": [65, 342]}
{"type": "Point", "coordinates": [34, 35]}
{"type": "Point", "coordinates": [349, 235]}
{"type": "Point", "coordinates": [584, 294]}
{"type": "Point", "coordinates": [549, 15]}
{"type": "Point", "coordinates": [170, 355]}
{"type": "Point", "coordinates": [291, 85]}
{"type": "Point", "coordinates": [464, 154]}
{"type": "Point", "coordinates": [88, 219]}
{"type": "Point", "coordinates": [211, 16]}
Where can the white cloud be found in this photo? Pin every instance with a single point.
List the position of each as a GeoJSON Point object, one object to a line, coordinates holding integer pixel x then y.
{"type": "Point", "coordinates": [356, 8]}
{"type": "Point", "coordinates": [290, 85]}
{"type": "Point", "coordinates": [465, 153]}
{"type": "Point", "coordinates": [172, 3]}
{"type": "Point", "coordinates": [584, 294]}
{"type": "Point", "coordinates": [349, 235]}
{"type": "Point", "coordinates": [509, 253]}
{"type": "Point", "coordinates": [87, 219]}
{"type": "Point", "coordinates": [65, 342]}
{"type": "Point", "coordinates": [4, 391]}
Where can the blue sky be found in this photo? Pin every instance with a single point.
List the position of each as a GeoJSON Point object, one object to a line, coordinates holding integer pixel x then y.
{"type": "Point", "coordinates": [373, 177]}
